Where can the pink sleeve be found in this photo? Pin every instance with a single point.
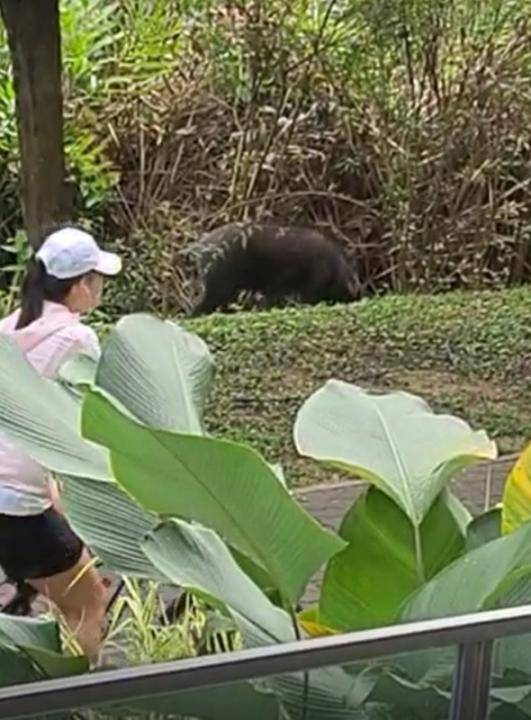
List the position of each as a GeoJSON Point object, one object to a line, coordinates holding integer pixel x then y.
{"type": "Point", "coordinates": [88, 342]}
{"type": "Point", "coordinates": [74, 340]}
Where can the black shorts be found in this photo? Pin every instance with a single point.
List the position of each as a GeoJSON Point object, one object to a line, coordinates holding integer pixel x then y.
{"type": "Point", "coordinates": [37, 546]}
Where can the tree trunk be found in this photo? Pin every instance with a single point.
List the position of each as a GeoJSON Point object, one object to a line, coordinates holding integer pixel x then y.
{"type": "Point", "coordinates": [34, 37]}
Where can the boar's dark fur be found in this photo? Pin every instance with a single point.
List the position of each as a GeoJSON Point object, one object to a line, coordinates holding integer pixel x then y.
{"type": "Point", "coordinates": [277, 262]}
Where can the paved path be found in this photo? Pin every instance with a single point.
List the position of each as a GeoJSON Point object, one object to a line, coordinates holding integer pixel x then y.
{"type": "Point", "coordinates": [329, 503]}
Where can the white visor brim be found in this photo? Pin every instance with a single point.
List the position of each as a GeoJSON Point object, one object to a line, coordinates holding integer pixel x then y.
{"type": "Point", "coordinates": [108, 263]}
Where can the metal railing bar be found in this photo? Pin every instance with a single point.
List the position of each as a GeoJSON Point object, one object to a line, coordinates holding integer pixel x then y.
{"type": "Point", "coordinates": [472, 678]}
{"type": "Point", "coordinates": [164, 678]}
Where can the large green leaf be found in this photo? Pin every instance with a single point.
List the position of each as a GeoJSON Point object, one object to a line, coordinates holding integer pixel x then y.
{"type": "Point", "coordinates": [223, 485]}
{"type": "Point", "coordinates": [393, 441]}
{"type": "Point", "coordinates": [157, 370]}
{"type": "Point", "coordinates": [43, 419]}
{"type": "Point", "coordinates": [30, 649]}
{"type": "Point", "coordinates": [408, 700]}
{"type": "Point", "coordinates": [54, 664]}
{"type": "Point", "coordinates": [258, 576]}
{"type": "Point", "coordinates": [78, 371]}
{"type": "Point", "coordinates": [17, 668]}
{"type": "Point", "coordinates": [484, 529]}
{"type": "Point", "coordinates": [196, 558]}
{"type": "Point", "coordinates": [433, 667]}
{"type": "Point", "coordinates": [515, 702]}
{"type": "Point", "coordinates": [237, 701]}
{"type": "Point", "coordinates": [240, 701]}
{"type": "Point", "coordinates": [111, 523]}
{"type": "Point", "coordinates": [513, 692]}
{"type": "Point", "coordinates": [512, 654]}
{"type": "Point", "coordinates": [366, 584]}
{"type": "Point", "coordinates": [436, 667]}
{"type": "Point", "coordinates": [476, 581]}
{"type": "Point", "coordinates": [27, 632]}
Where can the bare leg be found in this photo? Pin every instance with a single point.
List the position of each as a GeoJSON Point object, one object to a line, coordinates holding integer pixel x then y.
{"type": "Point", "coordinates": [82, 603]}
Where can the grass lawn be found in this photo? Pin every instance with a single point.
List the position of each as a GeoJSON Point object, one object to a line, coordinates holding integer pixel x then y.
{"type": "Point", "coordinates": [466, 353]}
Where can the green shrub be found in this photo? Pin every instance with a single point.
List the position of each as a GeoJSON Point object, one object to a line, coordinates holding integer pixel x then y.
{"type": "Point", "coordinates": [466, 353]}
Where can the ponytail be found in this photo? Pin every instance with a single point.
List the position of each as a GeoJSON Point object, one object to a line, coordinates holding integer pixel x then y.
{"type": "Point", "coordinates": [33, 289]}
{"type": "Point", "coordinates": [37, 287]}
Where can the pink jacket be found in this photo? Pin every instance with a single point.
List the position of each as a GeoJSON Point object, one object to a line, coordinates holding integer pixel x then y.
{"type": "Point", "coordinates": [47, 343]}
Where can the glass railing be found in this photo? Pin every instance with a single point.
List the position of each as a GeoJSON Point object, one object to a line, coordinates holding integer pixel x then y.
{"type": "Point", "coordinates": [434, 670]}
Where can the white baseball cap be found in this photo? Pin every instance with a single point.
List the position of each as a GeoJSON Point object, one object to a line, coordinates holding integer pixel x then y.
{"type": "Point", "coordinates": [70, 253]}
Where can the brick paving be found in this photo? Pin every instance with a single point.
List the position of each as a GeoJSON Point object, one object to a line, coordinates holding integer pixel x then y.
{"type": "Point", "coordinates": [329, 503]}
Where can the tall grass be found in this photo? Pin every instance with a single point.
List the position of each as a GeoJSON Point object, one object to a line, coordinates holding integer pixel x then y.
{"type": "Point", "coordinates": [400, 126]}
{"type": "Point", "coordinates": [143, 628]}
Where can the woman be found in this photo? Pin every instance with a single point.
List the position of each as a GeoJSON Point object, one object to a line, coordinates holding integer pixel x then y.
{"type": "Point", "coordinates": [37, 545]}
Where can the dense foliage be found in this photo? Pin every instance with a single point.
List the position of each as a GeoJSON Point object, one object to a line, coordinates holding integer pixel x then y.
{"type": "Point", "coordinates": [403, 128]}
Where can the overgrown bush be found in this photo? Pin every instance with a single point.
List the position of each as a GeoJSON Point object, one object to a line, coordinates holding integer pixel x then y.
{"type": "Point", "coordinates": [401, 127]}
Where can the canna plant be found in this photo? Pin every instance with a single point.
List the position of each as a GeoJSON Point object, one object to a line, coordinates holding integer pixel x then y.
{"type": "Point", "coordinates": [403, 563]}
{"type": "Point", "coordinates": [408, 523]}
{"type": "Point", "coordinates": [156, 498]}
